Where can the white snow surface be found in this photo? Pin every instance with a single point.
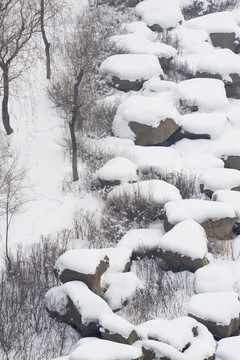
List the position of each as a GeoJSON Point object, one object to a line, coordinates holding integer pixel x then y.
{"type": "Point", "coordinates": [220, 179]}
{"type": "Point", "coordinates": [120, 287]}
{"type": "Point", "coordinates": [228, 348]}
{"type": "Point", "coordinates": [116, 324]}
{"type": "Point", "coordinates": [213, 124]}
{"type": "Point", "coordinates": [94, 348]}
{"type": "Point", "coordinates": [230, 197]}
{"type": "Point", "coordinates": [165, 14]}
{"type": "Point", "coordinates": [139, 239]}
{"type": "Point", "coordinates": [159, 159]}
{"type": "Point", "coordinates": [200, 161]}
{"type": "Point", "coordinates": [220, 307]}
{"type": "Point", "coordinates": [86, 260]}
{"type": "Point", "coordinates": [143, 110]}
{"type": "Point", "coordinates": [157, 191]}
{"type": "Point", "coordinates": [89, 305]}
{"type": "Point", "coordinates": [207, 94]}
{"type": "Point", "coordinates": [118, 168]}
{"type": "Point", "coordinates": [197, 209]}
{"type": "Point", "coordinates": [132, 66]}
{"type": "Point", "coordinates": [187, 238]}
{"type": "Point", "coordinates": [213, 278]}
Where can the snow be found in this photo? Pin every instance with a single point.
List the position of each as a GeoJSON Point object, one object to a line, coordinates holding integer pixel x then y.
{"type": "Point", "coordinates": [165, 14]}
{"type": "Point", "coordinates": [162, 350]}
{"type": "Point", "coordinates": [187, 238]}
{"type": "Point", "coordinates": [120, 288]}
{"type": "Point", "coordinates": [197, 209]}
{"type": "Point", "coordinates": [200, 161]}
{"type": "Point", "coordinates": [220, 179]}
{"type": "Point", "coordinates": [219, 22]}
{"type": "Point", "coordinates": [56, 300]}
{"type": "Point", "coordinates": [228, 349]}
{"type": "Point", "coordinates": [89, 305]}
{"type": "Point", "coordinates": [136, 43]}
{"type": "Point", "coordinates": [230, 197]}
{"type": "Point", "coordinates": [116, 324]}
{"type": "Point", "coordinates": [156, 191]}
{"type": "Point", "coordinates": [132, 66]}
{"type": "Point", "coordinates": [143, 110]}
{"type": "Point", "coordinates": [219, 307]}
{"type": "Point", "coordinates": [86, 260]}
{"type": "Point", "coordinates": [139, 27]}
{"type": "Point", "coordinates": [213, 124]}
{"type": "Point", "coordinates": [141, 239]}
{"type": "Point", "coordinates": [104, 350]}
{"type": "Point", "coordinates": [162, 160]}
{"type": "Point", "coordinates": [118, 169]}
{"type": "Point", "coordinates": [177, 332]}
{"type": "Point", "coordinates": [207, 94]}
{"type": "Point", "coordinates": [213, 278]}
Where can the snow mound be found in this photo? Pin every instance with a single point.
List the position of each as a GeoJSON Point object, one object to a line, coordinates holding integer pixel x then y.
{"type": "Point", "coordinates": [200, 161]}
{"type": "Point", "coordinates": [229, 197]}
{"type": "Point", "coordinates": [86, 260]}
{"type": "Point", "coordinates": [118, 168]}
{"type": "Point", "coordinates": [197, 210]}
{"type": "Point", "coordinates": [93, 348]}
{"type": "Point", "coordinates": [116, 325]}
{"type": "Point", "coordinates": [187, 238]}
{"type": "Point", "coordinates": [157, 191]}
{"type": "Point", "coordinates": [132, 66]}
{"type": "Point", "coordinates": [165, 14]}
{"type": "Point", "coordinates": [120, 288]}
{"type": "Point", "coordinates": [139, 27]}
{"type": "Point", "coordinates": [212, 278]}
{"type": "Point", "coordinates": [207, 94]}
{"type": "Point", "coordinates": [139, 239]}
{"type": "Point", "coordinates": [213, 124]}
{"type": "Point", "coordinates": [219, 307]}
{"type": "Point", "coordinates": [228, 349]}
{"type": "Point", "coordinates": [220, 179]}
{"type": "Point", "coordinates": [162, 160]}
{"type": "Point", "coordinates": [143, 110]}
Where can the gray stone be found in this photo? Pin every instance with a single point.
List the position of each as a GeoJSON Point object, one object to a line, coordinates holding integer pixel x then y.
{"type": "Point", "coordinates": [148, 135]}
{"type": "Point", "coordinates": [127, 85]}
{"type": "Point", "coordinates": [232, 161]}
{"type": "Point", "coordinates": [223, 40]}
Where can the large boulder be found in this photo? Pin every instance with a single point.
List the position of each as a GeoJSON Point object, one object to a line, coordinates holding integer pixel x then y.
{"type": "Point", "coordinates": [129, 71]}
{"type": "Point", "coordinates": [228, 348]}
{"type": "Point", "coordinates": [146, 120]}
{"type": "Point", "coordinates": [88, 265]}
{"type": "Point", "coordinates": [216, 218]}
{"type": "Point", "coordinates": [218, 311]}
{"type": "Point", "coordinates": [73, 303]}
{"type": "Point", "coordinates": [184, 247]}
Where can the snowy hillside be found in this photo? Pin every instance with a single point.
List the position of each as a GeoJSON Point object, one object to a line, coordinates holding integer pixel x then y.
{"type": "Point", "coordinates": [120, 184]}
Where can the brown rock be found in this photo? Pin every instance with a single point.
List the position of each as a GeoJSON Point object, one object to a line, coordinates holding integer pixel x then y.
{"type": "Point", "coordinates": [132, 338]}
{"type": "Point", "coordinates": [148, 135]}
{"type": "Point", "coordinates": [127, 85]}
{"type": "Point", "coordinates": [223, 40]}
{"type": "Point", "coordinates": [232, 161]}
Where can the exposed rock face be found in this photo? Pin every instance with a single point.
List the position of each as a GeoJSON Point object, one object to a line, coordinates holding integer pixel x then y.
{"type": "Point", "coordinates": [179, 262]}
{"type": "Point", "coordinates": [127, 85]}
{"type": "Point", "coordinates": [219, 331]}
{"type": "Point", "coordinates": [233, 88]}
{"type": "Point", "coordinates": [223, 40]}
{"type": "Point", "coordinates": [91, 280]}
{"type": "Point", "coordinates": [232, 161]}
{"type": "Point", "coordinates": [148, 135]}
{"type": "Point", "coordinates": [132, 338]}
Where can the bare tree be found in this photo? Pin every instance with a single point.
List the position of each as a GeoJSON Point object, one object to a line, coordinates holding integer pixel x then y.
{"type": "Point", "coordinates": [19, 20]}
{"type": "Point", "coordinates": [81, 54]}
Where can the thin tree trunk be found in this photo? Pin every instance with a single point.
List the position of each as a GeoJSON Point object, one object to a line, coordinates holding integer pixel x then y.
{"type": "Point", "coordinates": [72, 123]}
{"type": "Point", "coordinates": [46, 43]}
{"type": "Point", "coordinates": [5, 113]}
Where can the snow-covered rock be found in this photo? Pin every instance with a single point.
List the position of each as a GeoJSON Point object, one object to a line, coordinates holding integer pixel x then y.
{"type": "Point", "coordinates": [213, 278]}
{"type": "Point", "coordinates": [129, 71]}
{"type": "Point", "coordinates": [146, 120]}
{"type": "Point", "coordinates": [93, 348]}
{"type": "Point", "coordinates": [200, 161]}
{"type": "Point", "coordinates": [228, 348]}
{"type": "Point", "coordinates": [219, 311]}
{"type": "Point", "coordinates": [117, 170]}
{"type": "Point", "coordinates": [185, 246]}
{"type": "Point", "coordinates": [219, 179]}
{"type": "Point", "coordinates": [229, 197]}
{"type": "Point", "coordinates": [216, 218]}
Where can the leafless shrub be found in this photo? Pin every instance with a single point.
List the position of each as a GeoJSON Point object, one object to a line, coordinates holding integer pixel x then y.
{"type": "Point", "coordinates": [26, 330]}
{"type": "Point", "coordinates": [126, 211]}
{"type": "Point", "coordinates": [179, 71]}
{"type": "Point", "coordinates": [165, 294]}
{"type": "Point", "coordinates": [199, 7]}
{"type": "Point", "coordinates": [168, 38]}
